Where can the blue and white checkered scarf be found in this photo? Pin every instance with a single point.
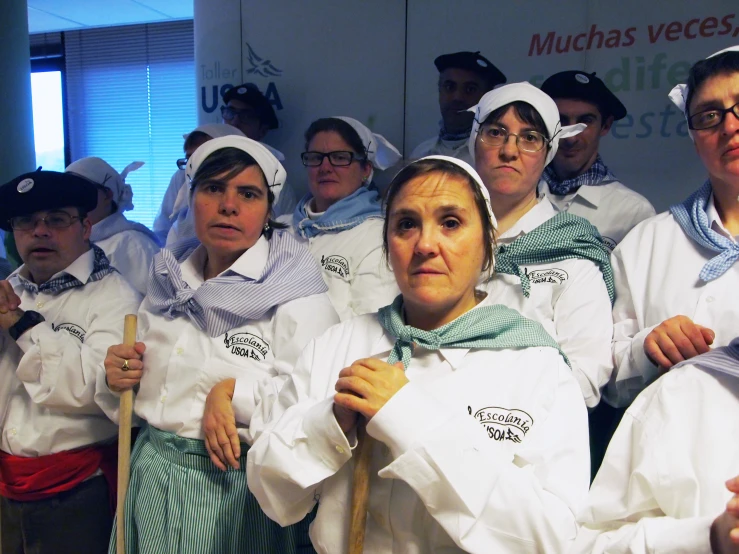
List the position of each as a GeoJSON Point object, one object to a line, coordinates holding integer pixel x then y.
{"type": "Point", "coordinates": [355, 209]}
{"type": "Point", "coordinates": [100, 268]}
{"type": "Point", "coordinates": [598, 174]}
{"type": "Point", "coordinates": [230, 300]}
{"type": "Point", "coordinates": [691, 215]}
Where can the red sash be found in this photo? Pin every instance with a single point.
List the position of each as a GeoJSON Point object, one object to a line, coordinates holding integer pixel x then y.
{"type": "Point", "coordinates": [26, 478]}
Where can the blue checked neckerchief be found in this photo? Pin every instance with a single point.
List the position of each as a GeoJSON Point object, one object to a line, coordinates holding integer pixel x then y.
{"type": "Point", "coordinates": [598, 174]}
{"type": "Point", "coordinates": [493, 327]}
{"type": "Point", "coordinates": [362, 204]}
{"type": "Point", "coordinates": [446, 135]}
{"type": "Point", "coordinates": [100, 268]}
{"type": "Point", "coordinates": [691, 215]}
{"type": "Point", "coordinates": [230, 300]}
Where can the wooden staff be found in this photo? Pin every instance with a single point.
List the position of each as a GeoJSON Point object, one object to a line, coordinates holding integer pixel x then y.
{"type": "Point", "coordinates": [124, 442]}
{"type": "Point", "coordinates": [360, 488]}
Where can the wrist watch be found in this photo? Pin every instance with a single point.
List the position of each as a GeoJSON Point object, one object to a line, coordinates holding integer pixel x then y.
{"type": "Point", "coordinates": [28, 319]}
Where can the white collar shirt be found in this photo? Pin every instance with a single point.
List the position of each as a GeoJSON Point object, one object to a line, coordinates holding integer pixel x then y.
{"type": "Point", "coordinates": [182, 363]}
{"type": "Point", "coordinates": [612, 208]}
{"type": "Point", "coordinates": [656, 270]}
{"type": "Point", "coordinates": [435, 147]}
{"type": "Point", "coordinates": [48, 395]}
{"type": "Point", "coordinates": [353, 266]}
{"type": "Point", "coordinates": [483, 451]}
{"type": "Point", "coordinates": [714, 219]}
{"type": "Point", "coordinates": [569, 298]}
{"type": "Point", "coordinates": [661, 484]}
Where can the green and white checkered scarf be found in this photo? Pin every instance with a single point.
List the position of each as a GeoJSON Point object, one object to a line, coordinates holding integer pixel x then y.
{"type": "Point", "coordinates": [493, 327]}
{"type": "Point", "coordinates": [562, 237]}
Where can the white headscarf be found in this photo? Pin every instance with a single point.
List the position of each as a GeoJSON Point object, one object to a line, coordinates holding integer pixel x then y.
{"type": "Point", "coordinates": [380, 153]}
{"type": "Point", "coordinates": [273, 171]}
{"type": "Point", "coordinates": [540, 101]}
{"type": "Point", "coordinates": [679, 93]}
{"type": "Point", "coordinates": [101, 173]}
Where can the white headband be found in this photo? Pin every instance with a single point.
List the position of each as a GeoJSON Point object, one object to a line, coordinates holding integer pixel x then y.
{"type": "Point", "coordinates": [540, 101]}
{"type": "Point", "coordinates": [380, 153]}
{"type": "Point", "coordinates": [102, 173]}
{"type": "Point", "coordinates": [475, 177]}
{"type": "Point", "coordinates": [273, 171]}
{"type": "Point", "coordinates": [679, 93]}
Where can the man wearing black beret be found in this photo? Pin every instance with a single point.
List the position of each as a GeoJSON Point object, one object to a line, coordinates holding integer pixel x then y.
{"type": "Point", "coordinates": [577, 180]}
{"type": "Point", "coordinates": [464, 77]}
{"type": "Point", "coordinates": [59, 312]}
{"type": "Point", "coordinates": [248, 110]}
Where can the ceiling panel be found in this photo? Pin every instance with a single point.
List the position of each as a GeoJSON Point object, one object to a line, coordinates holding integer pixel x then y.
{"type": "Point", "coordinates": [42, 22]}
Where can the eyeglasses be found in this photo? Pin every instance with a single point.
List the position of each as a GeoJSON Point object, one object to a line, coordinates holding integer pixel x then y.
{"type": "Point", "coordinates": [54, 220]}
{"type": "Point", "coordinates": [339, 158]}
{"type": "Point", "coordinates": [182, 163]}
{"type": "Point", "coordinates": [244, 116]}
{"type": "Point", "coordinates": [528, 141]}
{"type": "Point", "coordinates": [711, 118]}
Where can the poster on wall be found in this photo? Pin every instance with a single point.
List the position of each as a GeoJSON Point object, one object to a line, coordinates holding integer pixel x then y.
{"type": "Point", "coordinates": [640, 49]}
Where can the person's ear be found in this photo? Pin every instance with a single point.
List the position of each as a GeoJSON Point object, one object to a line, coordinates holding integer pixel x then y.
{"type": "Point", "coordinates": [86, 227]}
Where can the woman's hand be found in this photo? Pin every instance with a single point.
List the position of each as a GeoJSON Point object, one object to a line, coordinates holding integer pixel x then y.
{"type": "Point", "coordinates": [118, 378]}
{"type": "Point", "coordinates": [725, 528]}
{"type": "Point", "coordinates": [365, 387]}
{"type": "Point", "coordinates": [219, 426]}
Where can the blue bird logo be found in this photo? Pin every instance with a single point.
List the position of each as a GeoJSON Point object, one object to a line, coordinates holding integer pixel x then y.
{"type": "Point", "coordinates": [260, 66]}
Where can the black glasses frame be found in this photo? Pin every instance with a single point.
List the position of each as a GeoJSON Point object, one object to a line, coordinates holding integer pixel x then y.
{"type": "Point", "coordinates": [720, 111]}
{"type": "Point", "coordinates": [352, 157]}
{"type": "Point", "coordinates": [35, 221]}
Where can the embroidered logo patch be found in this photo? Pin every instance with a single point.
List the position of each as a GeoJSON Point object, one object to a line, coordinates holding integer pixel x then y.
{"type": "Point", "coordinates": [504, 424]}
{"type": "Point", "coordinates": [609, 242]}
{"type": "Point", "coordinates": [246, 345]}
{"type": "Point", "coordinates": [72, 329]}
{"type": "Point", "coordinates": [552, 275]}
{"type": "Point", "coordinates": [337, 265]}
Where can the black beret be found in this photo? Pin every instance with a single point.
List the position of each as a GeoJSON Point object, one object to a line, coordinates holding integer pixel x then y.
{"type": "Point", "coordinates": [44, 190]}
{"type": "Point", "coordinates": [471, 61]}
{"type": "Point", "coordinates": [249, 94]}
{"type": "Point", "coordinates": [584, 86]}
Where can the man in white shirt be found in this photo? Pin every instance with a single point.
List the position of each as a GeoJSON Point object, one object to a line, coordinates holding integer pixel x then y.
{"type": "Point", "coordinates": [577, 180]}
{"type": "Point", "coordinates": [464, 77]}
{"type": "Point", "coordinates": [58, 314]}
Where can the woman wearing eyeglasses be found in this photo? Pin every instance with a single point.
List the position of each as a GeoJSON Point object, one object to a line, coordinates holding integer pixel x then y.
{"type": "Point", "coordinates": [341, 217]}
{"type": "Point", "coordinates": [553, 268]}
{"type": "Point", "coordinates": [676, 272]}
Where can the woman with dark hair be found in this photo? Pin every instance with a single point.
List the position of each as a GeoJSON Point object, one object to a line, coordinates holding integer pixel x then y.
{"type": "Point", "coordinates": [552, 267]}
{"type": "Point", "coordinates": [340, 219]}
{"type": "Point", "coordinates": [668, 481]}
{"type": "Point", "coordinates": [225, 310]}
{"type": "Point", "coordinates": [677, 269]}
{"type": "Point", "coordinates": [477, 428]}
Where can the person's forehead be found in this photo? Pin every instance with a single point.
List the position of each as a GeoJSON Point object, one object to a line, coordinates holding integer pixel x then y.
{"type": "Point", "coordinates": [724, 86]}
{"type": "Point", "coordinates": [576, 107]}
{"type": "Point", "coordinates": [69, 210]}
{"type": "Point", "coordinates": [329, 141]}
{"type": "Point", "coordinates": [459, 75]}
{"type": "Point", "coordinates": [240, 105]}
{"type": "Point", "coordinates": [435, 189]}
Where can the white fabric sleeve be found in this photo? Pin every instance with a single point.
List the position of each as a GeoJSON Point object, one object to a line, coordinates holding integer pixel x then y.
{"type": "Point", "coordinates": [633, 370]}
{"type": "Point", "coordinates": [295, 325]}
{"type": "Point", "coordinates": [623, 515]}
{"type": "Point", "coordinates": [132, 256]}
{"type": "Point", "coordinates": [486, 499]}
{"type": "Point", "coordinates": [60, 372]}
{"type": "Point", "coordinates": [582, 320]}
{"type": "Point", "coordinates": [373, 285]}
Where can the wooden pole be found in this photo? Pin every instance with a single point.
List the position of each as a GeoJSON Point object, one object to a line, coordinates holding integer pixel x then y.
{"type": "Point", "coordinates": [360, 488]}
{"type": "Point", "coordinates": [124, 442]}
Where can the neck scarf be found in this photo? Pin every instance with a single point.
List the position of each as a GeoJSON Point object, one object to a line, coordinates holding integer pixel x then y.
{"type": "Point", "coordinates": [597, 174]}
{"type": "Point", "coordinates": [561, 237]}
{"type": "Point", "coordinates": [100, 268]}
{"type": "Point", "coordinates": [450, 137]}
{"type": "Point", "coordinates": [230, 300]}
{"type": "Point", "coordinates": [117, 223]}
{"type": "Point", "coordinates": [362, 204]}
{"type": "Point", "coordinates": [492, 327]}
{"type": "Point", "coordinates": [692, 217]}
{"type": "Point", "coordinates": [724, 359]}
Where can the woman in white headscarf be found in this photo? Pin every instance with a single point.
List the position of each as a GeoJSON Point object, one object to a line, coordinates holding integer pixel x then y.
{"type": "Point", "coordinates": [130, 246]}
{"type": "Point", "coordinates": [226, 309]}
{"type": "Point", "coordinates": [341, 217]}
{"type": "Point", "coordinates": [173, 211]}
{"type": "Point", "coordinates": [553, 268]}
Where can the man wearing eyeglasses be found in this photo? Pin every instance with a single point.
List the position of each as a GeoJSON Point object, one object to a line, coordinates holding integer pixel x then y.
{"type": "Point", "coordinates": [248, 110]}
{"type": "Point", "coordinates": [578, 180]}
{"type": "Point", "coordinates": [464, 77]}
{"type": "Point", "coordinates": [58, 314]}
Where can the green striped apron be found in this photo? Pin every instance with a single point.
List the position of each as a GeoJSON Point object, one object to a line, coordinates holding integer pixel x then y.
{"type": "Point", "coordinates": [178, 502]}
